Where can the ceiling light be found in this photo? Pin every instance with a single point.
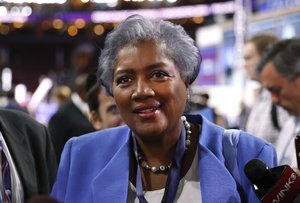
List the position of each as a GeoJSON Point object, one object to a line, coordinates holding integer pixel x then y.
{"type": "Point", "coordinates": [3, 11]}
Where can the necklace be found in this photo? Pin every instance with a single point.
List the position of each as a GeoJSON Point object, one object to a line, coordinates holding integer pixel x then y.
{"type": "Point", "coordinates": [163, 168]}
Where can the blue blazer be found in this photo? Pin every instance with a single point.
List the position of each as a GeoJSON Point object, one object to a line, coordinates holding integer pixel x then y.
{"type": "Point", "coordinates": [95, 167]}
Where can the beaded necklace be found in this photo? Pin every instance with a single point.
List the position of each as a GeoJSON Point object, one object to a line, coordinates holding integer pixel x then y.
{"type": "Point", "coordinates": [163, 168]}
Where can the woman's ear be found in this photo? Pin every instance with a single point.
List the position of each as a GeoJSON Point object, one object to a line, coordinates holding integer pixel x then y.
{"type": "Point", "coordinates": [187, 84]}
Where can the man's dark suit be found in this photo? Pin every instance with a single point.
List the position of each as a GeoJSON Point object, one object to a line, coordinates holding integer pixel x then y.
{"type": "Point", "coordinates": [31, 149]}
{"type": "Point", "coordinates": [67, 122]}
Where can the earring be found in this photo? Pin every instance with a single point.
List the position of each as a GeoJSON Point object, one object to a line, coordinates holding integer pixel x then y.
{"type": "Point", "coordinates": [188, 97]}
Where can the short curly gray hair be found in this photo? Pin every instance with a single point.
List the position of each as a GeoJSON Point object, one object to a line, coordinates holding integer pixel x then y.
{"type": "Point", "coordinates": [181, 47]}
{"type": "Point", "coordinates": [285, 55]}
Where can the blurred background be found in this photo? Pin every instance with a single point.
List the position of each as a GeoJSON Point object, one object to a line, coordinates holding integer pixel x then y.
{"type": "Point", "coordinates": [44, 44]}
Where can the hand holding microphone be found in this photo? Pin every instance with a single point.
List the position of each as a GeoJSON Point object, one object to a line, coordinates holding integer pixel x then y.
{"type": "Point", "coordinates": [297, 148]}
{"type": "Point", "coordinates": [276, 185]}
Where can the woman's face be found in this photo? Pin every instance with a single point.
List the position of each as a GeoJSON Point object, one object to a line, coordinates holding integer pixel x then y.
{"type": "Point", "coordinates": [149, 90]}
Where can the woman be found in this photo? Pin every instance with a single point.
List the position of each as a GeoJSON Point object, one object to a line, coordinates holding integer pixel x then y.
{"type": "Point", "coordinates": [159, 156]}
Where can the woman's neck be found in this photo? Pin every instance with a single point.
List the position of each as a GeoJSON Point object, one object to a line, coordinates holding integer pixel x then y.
{"type": "Point", "coordinates": [157, 153]}
{"type": "Point", "coordinates": [162, 154]}
{"type": "Point", "coordinates": [159, 149]}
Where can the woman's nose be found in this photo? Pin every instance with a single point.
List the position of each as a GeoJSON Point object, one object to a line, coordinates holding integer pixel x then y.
{"type": "Point", "coordinates": [142, 90]}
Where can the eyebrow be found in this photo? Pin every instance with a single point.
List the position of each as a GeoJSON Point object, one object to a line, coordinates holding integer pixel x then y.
{"type": "Point", "coordinates": [156, 65]}
{"type": "Point", "coordinates": [120, 71]}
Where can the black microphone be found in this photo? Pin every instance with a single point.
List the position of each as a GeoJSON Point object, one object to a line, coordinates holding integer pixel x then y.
{"type": "Point", "coordinates": [276, 185]}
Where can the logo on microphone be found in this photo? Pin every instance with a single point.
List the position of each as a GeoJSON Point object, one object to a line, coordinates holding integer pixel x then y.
{"type": "Point", "coordinates": [287, 186]}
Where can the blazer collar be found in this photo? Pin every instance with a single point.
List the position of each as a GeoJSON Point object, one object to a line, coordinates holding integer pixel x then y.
{"type": "Point", "coordinates": [20, 152]}
{"type": "Point", "coordinates": [215, 180]}
{"type": "Point", "coordinates": [10, 132]}
{"type": "Point", "coordinates": [108, 189]}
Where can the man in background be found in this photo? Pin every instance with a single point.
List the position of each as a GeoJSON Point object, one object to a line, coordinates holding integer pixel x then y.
{"type": "Point", "coordinates": [265, 119]}
{"type": "Point", "coordinates": [280, 74]}
{"type": "Point", "coordinates": [72, 117]}
{"type": "Point", "coordinates": [103, 110]}
{"type": "Point", "coordinates": [28, 162]}
{"type": "Point", "coordinates": [11, 103]}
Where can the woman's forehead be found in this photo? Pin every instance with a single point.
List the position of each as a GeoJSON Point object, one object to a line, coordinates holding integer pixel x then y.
{"type": "Point", "coordinates": [159, 46]}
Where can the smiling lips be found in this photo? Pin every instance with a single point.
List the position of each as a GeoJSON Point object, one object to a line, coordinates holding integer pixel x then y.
{"type": "Point", "coordinates": [146, 111]}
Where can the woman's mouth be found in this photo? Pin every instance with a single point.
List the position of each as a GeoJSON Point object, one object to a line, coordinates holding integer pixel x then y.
{"type": "Point", "coordinates": [147, 111]}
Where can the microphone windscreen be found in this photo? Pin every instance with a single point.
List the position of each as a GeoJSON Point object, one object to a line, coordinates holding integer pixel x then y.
{"type": "Point", "coordinates": [255, 170]}
{"type": "Point", "coordinates": [259, 174]}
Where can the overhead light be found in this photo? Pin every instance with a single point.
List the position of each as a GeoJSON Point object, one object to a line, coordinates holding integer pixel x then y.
{"type": "Point", "coordinates": [171, 1]}
{"type": "Point", "coordinates": [3, 11]}
{"type": "Point", "coordinates": [113, 4]}
{"type": "Point", "coordinates": [99, 29]}
{"type": "Point", "coordinates": [80, 23]}
{"type": "Point", "coordinates": [57, 24]}
{"type": "Point", "coordinates": [20, 93]}
{"type": "Point", "coordinates": [26, 10]}
{"type": "Point", "coordinates": [4, 29]}
{"type": "Point", "coordinates": [6, 79]}
{"type": "Point", "coordinates": [104, 1]}
{"type": "Point", "coordinates": [18, 25]}
{"type": "Point", "coordinates": [72, 30]}
{"type": "Point", "coordinates": [39, 94]}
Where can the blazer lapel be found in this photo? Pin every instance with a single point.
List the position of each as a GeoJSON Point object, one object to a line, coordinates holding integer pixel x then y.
{"type": "Point", "coordinates": [217, 185]}
{"type": "Point", "coordinates": [22, 158]}
{"type": "Point", "coordinates": [108, 189]}
{"type": "Point", "coordinates": [10, 133]}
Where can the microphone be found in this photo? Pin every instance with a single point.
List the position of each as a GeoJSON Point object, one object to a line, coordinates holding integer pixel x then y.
{"type": "Point", "coordinates": [276, 185]}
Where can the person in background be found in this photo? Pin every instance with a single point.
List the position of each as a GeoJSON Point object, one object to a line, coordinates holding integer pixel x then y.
{"type": "Point", "coordinates": [103, 109]}
{"type": "Point", "coordinates": [62, 94]}
{"type": "Point", "coordinates": [28, 163]}
{"type": "Point", "coordinates": [11, 102]}
{"type": "Point", "coordinates": [51, 103]}
{"type": "Point", "coordinates": [200, 105]}
{"type": "Point", "coordinates": [160, 155]}
{"type": "Point", "coordinates": [72, 117]}
{"type": "Point", "coordinates": [81, 62]}
{"type": "Point", "coordinates": [269, 116]}
{"type": "Point", "coordinates": [280, 75]}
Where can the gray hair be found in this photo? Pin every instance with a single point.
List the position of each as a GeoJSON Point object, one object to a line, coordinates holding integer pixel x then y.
{"type": "Point", "coordinates": [181, 47]}
{"type": "Point", "coordinates": [285, 55]}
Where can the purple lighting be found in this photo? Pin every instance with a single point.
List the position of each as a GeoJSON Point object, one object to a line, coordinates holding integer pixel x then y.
{"type": "Point", "coordinates": [164, 13]}
{"type": "Point", "coordinates": [120, 15]}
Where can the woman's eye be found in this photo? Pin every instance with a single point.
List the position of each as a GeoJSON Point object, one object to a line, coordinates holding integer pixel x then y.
{"type": "Point", "coordinates": [160, 74]}
{"type": "Point", "coordinates": [123, 80]}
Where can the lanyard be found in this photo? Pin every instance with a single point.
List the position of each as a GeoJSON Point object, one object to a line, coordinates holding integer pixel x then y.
{"type": "Point", "coordinates": [173, 177]}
